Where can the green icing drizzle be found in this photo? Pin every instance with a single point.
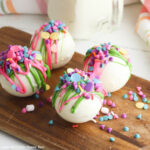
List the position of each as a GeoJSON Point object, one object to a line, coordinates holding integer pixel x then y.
{"type": "Point", "coordinates": [42, 79]}
{"type": "Point", "coordinates": [74, 107]}
{"type": "Point", "coordinates": [28, 78]}
{"type": "Point", "coordinates": [41, 46]}
{"type": "Point", "coordinates": [55, 95]}
{"type": "Point", "coordinates": [48, 72]}
{"type": "Point", "coordinates": [36, 77]}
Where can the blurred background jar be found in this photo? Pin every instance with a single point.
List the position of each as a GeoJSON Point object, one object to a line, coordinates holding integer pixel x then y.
{"type": "Point", "coordinates": [86, 17]}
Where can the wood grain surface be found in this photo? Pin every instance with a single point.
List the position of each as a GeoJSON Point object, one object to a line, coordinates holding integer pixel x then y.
{"type": "Point", "coordinates": [33, 127]}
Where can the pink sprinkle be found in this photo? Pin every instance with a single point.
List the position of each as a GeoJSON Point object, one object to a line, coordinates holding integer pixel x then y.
{"type": "Point", "coordinates": [38, 92]}
{"type": "Point", "coordinates": [104, 101]}
{"type": "Point", "coordinates": [49, 99]}
{"type": "Point", "coordinates": [143, 96]}
{"type": "Point", "coordinates": [140, 93]}
{"type": "Point", "coordinates": [138, 88]}
{"type": "Point", "coordinates": [109, 102]}
{"type": "Point", "coordinates": [102, 126]}
{"type": "Point", "coordinates": [124, 116]}
{"type": "Point", "coordinates": [109, 130]}
{"type": "Point", "coordinates": [95, 117]}
{"type": "Point", "coordinates": [113, 105]}
{"type": "Point", "coordinates": [24, 110]}
{"type": "Point", "coordinates": [131, 97]}
{"type": "Point", "coordinates": [130, 92]}
{"type": "Point", "coordinates": [115, 116]}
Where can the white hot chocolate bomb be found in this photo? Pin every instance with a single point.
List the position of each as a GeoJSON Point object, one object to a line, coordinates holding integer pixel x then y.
{"type": "Point", "coordinates": [22, 72]}
{"type": "Point", "coordinates": [55, 44]}
{"type": "Point", "coordinates": [110, 63]}
{"type": "Point", "coordinates": [78, 97]}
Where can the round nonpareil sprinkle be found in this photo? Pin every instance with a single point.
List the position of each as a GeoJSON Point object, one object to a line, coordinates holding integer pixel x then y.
{"type": "Point", "coordinates": [144, 100]}
{"type": "Point", "coordinates": [101, 119]}
{"type": "Point", "coordinates": [125, 96]}
{"type": "Point", "coordinates": [136, 136]}
{"type": "Point", "coordinates": [51, 122]}
{"type": "Point", "coordinates": [145, 106]}
{"type": "Point", "coordinates": [109, 102]}
{"type": "Point", "coordinates": [105, 110]}
{"type": "Point", "coordinates": [124, 116]}
{"type": "Point", "coordinates": [112, 139]}
{"type": "Point", "coordinates": [139, 116]}
{"type": "Point", "coordinates": [126, 129]}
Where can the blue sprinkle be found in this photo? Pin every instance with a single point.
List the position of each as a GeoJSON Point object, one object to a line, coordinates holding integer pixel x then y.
{"type": "Point", "coordinates": [91, 68]}
{"type": "Point", "coordinates": [101, 119]}
{"type": "Point", "coordinates": [65, 76]}
{"type": "Point", "coordinates": [8, 71]}
{"type": "Point", "coordinates": [26, 55]}
{"type": "Point", "coordinates": [47, 28]}
{"type": "Point", "coordinates": [75, 77]}
{"type": "Point", "coordinates": [36, 96]}
{"type": "Point", "coordinates": [35, 52]}
{"type": "Point", "coordinates": [1, 62]}
{"type": "Point", "coordinates": [51, 22]}
{"type": "Point", "coordinates": [134, 94]}
{"type": "Point", "coordinates": [96, 81]}
{"type": "Point", "coordinates": [98, 48]}
{"type": "Point", "coordinates": [105, 118]}
{"type": "Point", "coordinates": [21, 60]}
{"type": "Point", "coordinates": [25, 49]}
{"type": "Point", "coordinates": [126, 129]}
{"type": "Point", "coordinates": [68, 79]}
{"type": "Point", "coordinates": [135, 98]}
{"type": "Point", "coordinates": [144, 100]}
{"type": "Point", "coordinates": [110, 117]}
{"type": "Point", "coordinates": [137, 136]}
{"type": "Point", "coordinates": [103, 48]}
{"type": "Point", "coordinates": [108, 94]}
{"type": "Point", "coordinates": [102, 65]}
{"type": "Point", "coordinates": [145, 106]}
{"type": "Point", "coordinates": [57, 89]}
{"type": "Point", "coordinates": [17, 69]}
{"type": "Point", "coordinates": [89, 50]}
{"type": "Point", "coordinates": [61, 78]}
{"type": "Point", "coordinates": [13, 87]}
{"type": "Point", "coordinates": [31, 57]}
{"type": "Point", "coordinates": [125, 96]}
{"type": "Point", "coordinates": [139, 116]}
{"type": "Point", "coordinates": [51, 122]}
{"type": "Point", "coordinates": [78, 90]}
{"type": "Point", "coordinates": [112, 139]}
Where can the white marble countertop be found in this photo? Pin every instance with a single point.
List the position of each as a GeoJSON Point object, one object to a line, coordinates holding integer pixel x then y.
{"type": "Point", "coordinates": [125, 36]}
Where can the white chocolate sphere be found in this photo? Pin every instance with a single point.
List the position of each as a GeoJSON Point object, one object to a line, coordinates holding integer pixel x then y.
{"type": "Point", "coordinates": [114, 74]}
{"type": "Point", "coordinates": [22, 72]}
{"type": "Point", "coordinates": [78, 97]}
{"type": "Point", "coordinates": [64, 47]}
{"type": "Point", "coordinates": [86, 110]}
{"type": "Point", "coordinates": [7, 86]}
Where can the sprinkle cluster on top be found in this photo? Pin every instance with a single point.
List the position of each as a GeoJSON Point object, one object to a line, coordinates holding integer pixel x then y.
{"type": "Point", "coordinates": [55, 26]}
{"type": "Point", "coordinates": [18, 60]}
{"type": "Point", "coordinates": [80, 81]}
{"type": "Point", "coordinates": [104, 53]}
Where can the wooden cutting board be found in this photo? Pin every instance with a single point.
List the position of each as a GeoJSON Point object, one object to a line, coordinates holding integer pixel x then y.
{"type": "Point", "coordinates": [33, 127]}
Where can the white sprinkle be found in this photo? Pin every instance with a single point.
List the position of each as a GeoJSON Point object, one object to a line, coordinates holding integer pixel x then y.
{"type": "Point", "coordinates": [94, 120]}
{"type": "Point", "coordinates": [30, 108]}
{"type": "Point", "coordinates": [105, 110]}
{"type": "Point", "coordinates": [112, 113]}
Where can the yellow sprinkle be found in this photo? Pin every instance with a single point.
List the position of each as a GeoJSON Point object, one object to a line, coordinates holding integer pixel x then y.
{"type": "Point", "coordinates": [54, 36]}
{"type": "Point", "coordinates": [45, 35]}
{"type": "Point", "coordinates": [47, 87]}
{"type": "Point", "coordinates": [80, 88]}
{"type": "Point", "coordinates": [70, 70]}
{"type": "Point", "coordinates": [139, 105]}
{"type": "Point", "coordinates": [123, 51]}
{"type": "Point", "coordinates": [38, 57]}
{"type": "Point", "coordinates": [8, 59]}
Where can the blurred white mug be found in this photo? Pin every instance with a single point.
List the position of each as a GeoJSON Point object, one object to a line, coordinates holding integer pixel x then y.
{"type": "Point", "coordinates": [85, 17]}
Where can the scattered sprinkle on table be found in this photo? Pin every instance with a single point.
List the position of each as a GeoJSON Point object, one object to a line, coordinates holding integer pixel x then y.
{"type": "Point", "coordinates": [36, 96]}
{"type": "Point", "coordinates": [51, 122]}
{"type": "Point", "coordinates": [125, 96]}
{"type": "Point", "coordinates": [30, 108]}
{"type": "Point", "coordinates": [139, 116]}
{"type": "Point", "coordinates": [112, 139]}
{"type": "Point", "coordinates": [108, 94]}
{"type": "Point", "coordinates": [109, 130]}
{"type": "Point", "coordinates": [145, 106]}
{"type": "Point", "coordinates": [126, 129]}
{"type": "Point", "coordinates": [139, 105]}
{"type": "Point", "coordinates": [136, 136]}
{"type": "Point", "coordinates": [124, 115]}
{"type": "Point", "coordinates": [23, 110]}
{"type": "Point", "coordinates": [75, 125]}
{"type": "Point", "coordinates": [102, 126]}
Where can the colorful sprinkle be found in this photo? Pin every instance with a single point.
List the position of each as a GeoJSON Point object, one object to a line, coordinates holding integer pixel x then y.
{"type": "Point", "coordinates": [136, 136]}
{"type": "Point", "coordinates": [109, 130]}
{"type": "Point", "coordinates": [139, 116]}
{"type": "Point", "coordinates": [125, 96]}
{"type": "Point", "coordinates": [124, 116]}
{"type": "Point", "coordinates": [51, 122]}
{"type": "Point", "coordinates": [145, 106]}
{"type": "Point", "coordinates": [126, 129]}
{"type": "Point", "coordinates": [139, 105]}
{"type": "Point", "coordinates": [112, 139]}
